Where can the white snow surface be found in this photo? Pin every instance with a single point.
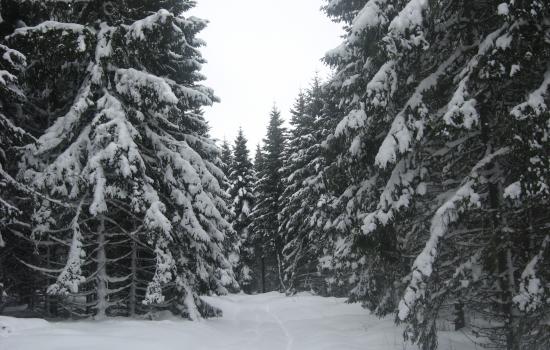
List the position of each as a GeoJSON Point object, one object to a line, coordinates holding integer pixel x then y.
{"type": "Point", "coordinates": [269, 321]}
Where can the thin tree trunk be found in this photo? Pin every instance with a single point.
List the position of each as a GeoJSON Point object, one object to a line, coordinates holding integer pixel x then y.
{"type": "Point", "coordinates": [504, 263]}
{"type": "Point", "coordinates": [51, 304]}
{"type": "Point", "coordinates": [262, 264]}
{"type": "Point", "coordinates": [102, 278]}
{"type": "Point", "coordinates": [500, 232]}
{"type": "Point", "coordinates": [1, 287]}
{"type": "Point", "coordinates": [280, 272]}
{"type": "Point", "coordinates": [294, 268]}
{"type": "Point", "coordinates": [460, 319]}
{"type": "Point", "coordinates": [132, 297]}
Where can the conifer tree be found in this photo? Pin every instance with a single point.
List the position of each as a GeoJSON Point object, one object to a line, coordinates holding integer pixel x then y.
{"type": "Point", "coordinates": [259, 270]}
{"type": "Point", "coordinates": [12, 192]}
{"type": "Point", "coordinates": [131, 154]}
{"type": "Point", "coordinates": [300, 197]}
{"type": "Point", "coordinates": [488, 227]}
{"type": "Point", "coordinates": [429, 108]}
{"type": "Point", "coordinates": [11, 134]}
{"type": "Point", "coordinates": [232, 242]}
{"type": "Point", "coordinates": [325, 181]}
{"type": "Point", "coordinates": [363, 85]}
{"type": "Point", "coordinates": [258, 156]}
{"type": "Point", "coordinates": [269, 189]}
{"type": "Point", "coordinates": [242, 180]}
{"type": "Point", "coordinates": [226, 158]}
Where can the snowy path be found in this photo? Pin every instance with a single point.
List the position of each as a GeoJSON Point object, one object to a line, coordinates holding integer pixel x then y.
{"type": "Point", "coordinates": [260, 322]}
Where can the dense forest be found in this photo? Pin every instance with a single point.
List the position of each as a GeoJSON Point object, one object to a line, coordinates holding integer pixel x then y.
{"type": "Point", "coordinates": [414, 180]}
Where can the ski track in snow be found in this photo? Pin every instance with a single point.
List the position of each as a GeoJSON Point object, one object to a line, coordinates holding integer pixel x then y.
{"type": "Point", "coordinates": [289, 337]}
{"type": "Point", "coordinates": [268, 321]}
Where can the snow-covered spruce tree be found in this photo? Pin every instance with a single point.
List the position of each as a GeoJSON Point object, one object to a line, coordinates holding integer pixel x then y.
{"type": "Point", "coordinates": [301, 125]}
{"type": "Point", "coordinates": [443, 135]}
{"type": "Point", "coordinates": [132, 155]}
{"type": "Point", "coordinates": [242, 179]}
{"type": "Point", "coordinates": [379, 55]}
{"type": "Point", "coordinates": [232, 241]}
{"type": "Point", "coordinates": [13, 194]}
{"type": "Point", "coordinates": [301, 193]}
{"type": "Point", "coordinates": [492, 226]}
{"type": "Point", "coordinates": [269, 189]}
{"type": "Point", "coordinates": [11, 135]}
{"type": "Point", "coordinates": [258, 265]}
{"type": "Point", "coordinates": [28, 119]}
{"type": "Point", "coordinates": [321, 188]}
{"type": "Point", "coordinates": [226, 158]}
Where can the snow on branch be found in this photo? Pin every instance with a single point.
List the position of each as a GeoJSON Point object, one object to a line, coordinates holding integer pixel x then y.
{"type": "Point", "coordinates": [136, 30]}
{"type": "Point", "coordinates": [371, 16]}
{"type": "Point", "coordinates": [535, 101]}
{"type": "Point", "coordinates": [6, 77]}
{"type": "Point", "coordinates": [71, 276]}
{"type": "Point", "coordinates": [400, 135]}
{"type": "Point", "coordinates": [408, 22]}
{"type": "Point", "coordinates": [422, 267]}
{"type": "Point", "coordinates": [15, 58]}
{"type": "Point", "coordinates": [7, 124]}
{"type": "Point", "coordinates": [401, 177]}
{"type": "Point", "coordinates": [98, 180]}
{"type": "Point", "coordinates": [131, 82]}
{"type": "Point", "coordinates": [155, 220]}
{"type": "Point", "coordinates": [46, 26]}
{"type": "Point", "coordinates": [194, 94]}
{"type": "Point", "coordinates": [355, 119]}
{"type": "Point", "coordinates": [380, 90]}
{"type": "Point", "coordinates": [164, 273]}
{"type": "Point", "coordinates": [189, 301]}
{"type": "Point", "coordinates": [341, 52]}
{"type": "Point", "coordinates": [190, 223]}
{"type": "Point", "coordinates": [445, 215]}
{"type": "Point", "coordinates": [62, 176]}
{"type": "Point", "coordinates": [531, 294]}
{"type": "Point", "coordinates": [462, 106]}
{"type": "Point", "coordinates": [63, 28]}
{"type": "Point", "coordinates": [111, 123]}
{"type": "Point", "coordinates": [410, 17]}
{"type": "Point", "coordinates": [66, 124]}
{"type": "Point", "coordinates": [103, 50]}
{"type": "Point", "coordinates": [383, 85]}
{"type": "Point", "coordinates": [461, 110]}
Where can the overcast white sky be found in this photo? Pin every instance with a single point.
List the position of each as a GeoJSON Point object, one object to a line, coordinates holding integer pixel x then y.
{"type": "Point", "coordinates": [261, 52]}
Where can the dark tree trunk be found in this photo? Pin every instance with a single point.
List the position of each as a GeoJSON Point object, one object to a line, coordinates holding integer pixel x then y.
{"type": "Point", "coordinates": [262, 264]}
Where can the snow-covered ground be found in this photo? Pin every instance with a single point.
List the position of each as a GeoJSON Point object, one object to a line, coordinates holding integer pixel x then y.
{"type": "Point", "coordinates": [260, 322]}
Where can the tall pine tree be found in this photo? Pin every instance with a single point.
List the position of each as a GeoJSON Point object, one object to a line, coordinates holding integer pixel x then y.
{"type": "Point", "coordinates": [269, 189]}
{"type": "Point", "coordinates": [226, 158]}
{"type": "Point", "coordinates": [242, 179]}
{"type": "Point", "coordinates": [131, 154]}
{"type": "Point", "coordinates": [14, 195]}
{"type": "Point", "coordinates": [299, 200]}
{"type": "Point", "coordinates": [437, 156]}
